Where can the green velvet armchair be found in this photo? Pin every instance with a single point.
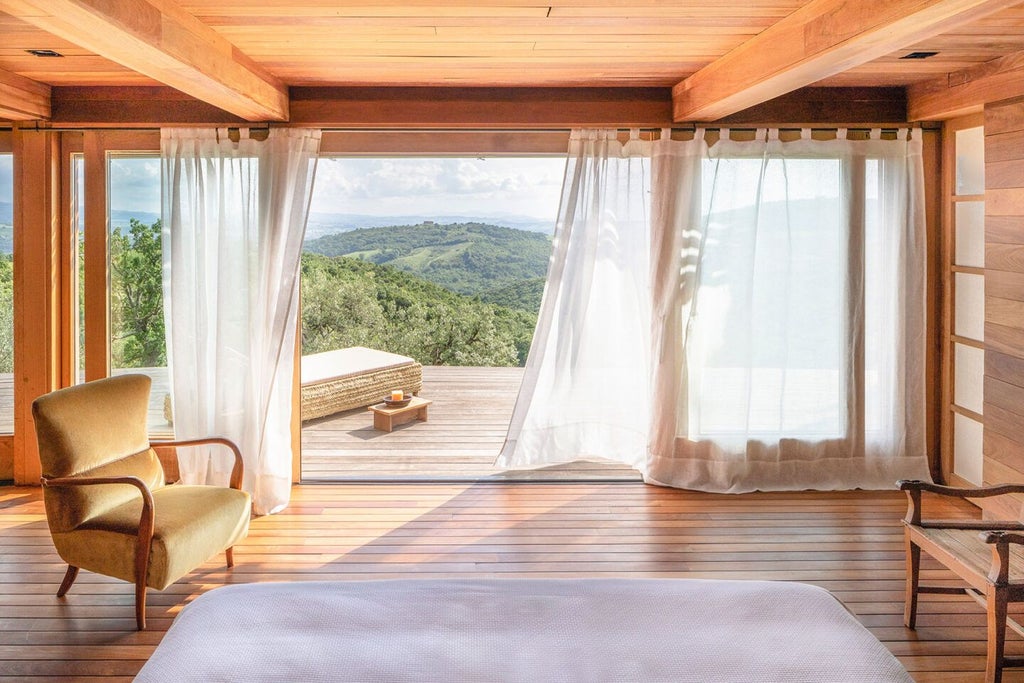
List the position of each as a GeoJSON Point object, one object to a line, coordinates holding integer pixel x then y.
{"type": "Point", "coordinates": [107, 504]}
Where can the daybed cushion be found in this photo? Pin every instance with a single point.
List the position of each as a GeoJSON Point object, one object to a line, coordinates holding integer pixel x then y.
{"type": "Point", "coordinates": [343, 379]}
{"type": "Point", "coordinates": [528, 630]}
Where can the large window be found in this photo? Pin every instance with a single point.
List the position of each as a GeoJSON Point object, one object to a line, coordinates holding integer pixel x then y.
{"type": "Point", "coordinates": [800, 288]}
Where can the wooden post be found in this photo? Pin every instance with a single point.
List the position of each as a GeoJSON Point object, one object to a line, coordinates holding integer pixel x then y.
{"type": "Point", "coordinates": [97, 280]}
{"type": "Point", "coordinates": [37, 275]}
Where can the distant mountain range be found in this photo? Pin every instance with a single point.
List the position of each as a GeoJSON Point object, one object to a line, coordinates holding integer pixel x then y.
{"type": "Point", "coordinates": [321, 224]}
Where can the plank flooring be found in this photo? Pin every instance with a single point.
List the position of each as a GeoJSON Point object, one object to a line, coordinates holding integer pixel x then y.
{"type": "Point", "coordinates": [849, 543]}
{"type": "Point", "coordinates": [468, 420]}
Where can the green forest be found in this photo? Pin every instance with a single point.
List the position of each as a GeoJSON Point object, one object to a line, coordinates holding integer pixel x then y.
{"type": "Point", "coordinates": [457, 294]}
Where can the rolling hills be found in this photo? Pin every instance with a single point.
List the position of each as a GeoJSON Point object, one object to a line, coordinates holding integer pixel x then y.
{"type": "Point", "coordinates": [468, 258]}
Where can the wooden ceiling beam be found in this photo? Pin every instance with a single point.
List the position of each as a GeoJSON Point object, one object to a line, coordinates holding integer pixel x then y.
{"type": "Point", "coordinates": [159, 39]}
{"type": "Point", "coordinates": [22, 99]}
{"type": "Point", "coordinates": [967, 91]}
{"type": "Point", "coordinates": [822, 38]}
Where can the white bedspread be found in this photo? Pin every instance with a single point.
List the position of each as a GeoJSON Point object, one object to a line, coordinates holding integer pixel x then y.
{"type": "Point", "coordinates": [529, 630]}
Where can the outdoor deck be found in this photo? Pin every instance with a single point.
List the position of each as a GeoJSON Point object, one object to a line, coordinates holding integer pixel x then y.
{"type": "Point", "coordinates": [468, 420]}
{"type": "Point", "coordinates": [466, 428]}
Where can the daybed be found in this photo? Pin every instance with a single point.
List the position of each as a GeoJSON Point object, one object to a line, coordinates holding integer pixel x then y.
{"type": "Point", "coordinates": [529, 630]}
{"type": "Point", "coordinates": [335, 381]}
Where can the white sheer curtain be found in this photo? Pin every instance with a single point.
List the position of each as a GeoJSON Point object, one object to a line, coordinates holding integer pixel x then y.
{"type": "Point", "coordinates": [750, 320]}
{"type": "Point", "coordinates": [234, 214]}
{"type": "Point", "coordinates": [805, 346]}
{"type": "Point", "coordinates": [587, 387]}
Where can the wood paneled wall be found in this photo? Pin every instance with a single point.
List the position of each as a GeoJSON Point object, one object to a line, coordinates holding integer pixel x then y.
{"type": "Point", "coordinates": [1004, 295]}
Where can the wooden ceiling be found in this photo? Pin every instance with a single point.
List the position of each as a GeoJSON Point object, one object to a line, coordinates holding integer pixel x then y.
{"type": "Point", "coordinates": [241, 55]}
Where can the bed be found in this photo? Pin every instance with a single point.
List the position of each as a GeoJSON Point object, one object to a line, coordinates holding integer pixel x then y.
{"type": "Point", "coordinates": [532, 630]}
{"type": "Point", "coordinates": [343, 379]}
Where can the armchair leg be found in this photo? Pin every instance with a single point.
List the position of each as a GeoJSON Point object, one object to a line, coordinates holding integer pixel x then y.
{"type": "Point", "coordinates": [913, 578]}
{"type": "Point", "coordinates": [230, 555]}
{"type": "Point", "coordinates": [69, 578]}
{"type": "Point", "coordinates": [140, 603]}
{"type": "Point", "coordinates": [996, 609]}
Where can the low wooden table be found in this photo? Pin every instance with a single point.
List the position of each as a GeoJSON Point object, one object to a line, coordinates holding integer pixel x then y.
{"type": "Point", "coordinates": [385, 419]}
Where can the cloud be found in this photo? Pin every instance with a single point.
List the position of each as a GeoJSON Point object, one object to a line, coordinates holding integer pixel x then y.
{"type": "Point", "coordinates": [135, 183]}
{"type": "Point", "coordinates": [528, 186]}
{"type": "Point", "coordinates": [488, 186]}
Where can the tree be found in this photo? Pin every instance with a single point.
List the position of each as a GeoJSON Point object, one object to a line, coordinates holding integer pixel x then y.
{"type": "Point", "coordinates": [6, 313]}
{"type": "Point", "coordinates": [350, 302]}
{"type": "Point", "coordinates": [136, 297]}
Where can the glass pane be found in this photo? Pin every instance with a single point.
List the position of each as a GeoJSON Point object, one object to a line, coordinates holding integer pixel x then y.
{"type": "Point", "coordinates": [969, 369]}
{"type": "Point", "coordinates": [78, 268]}
{"type": "Point", "coordinates": [967, 441]}
{"type": "Point", "coordinates": [137, 341]}
{"type": "Point", "coordinates": [969, 305]}
{"type": "Point", "coordinates": [970, 161]}
{"type": "Point", "coordinates": [970, 234]}
{"type": "Point", "coordinates": [6, 294]}
{"type": "Point", "coordinates": [767, 355]}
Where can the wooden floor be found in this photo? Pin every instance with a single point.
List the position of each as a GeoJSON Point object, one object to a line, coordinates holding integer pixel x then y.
{"type": "Point", "coordinates": [849, 543]}
{"type": "Point", "coordinates": [468, 420]}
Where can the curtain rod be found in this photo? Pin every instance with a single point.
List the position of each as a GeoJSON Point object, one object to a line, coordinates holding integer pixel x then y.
{"type": "Point", "coordinates": [688, 128]}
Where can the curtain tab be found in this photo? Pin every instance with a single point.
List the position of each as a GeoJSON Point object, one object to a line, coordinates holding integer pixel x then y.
{"type": "Point", "coordinates": [875, 134]}
{"type": "Point", "coordinates": [805, 133]}
{"type": "Point", "coordinates": [840, 133]}
{"type": "Point", "coordinates": [773, 134]}
{"type": "Point", "coordinates": [903, 134]}
{"type": "Point", "coordinates": [723, 134]}
{"type": "Point", "coordinates": [634, 134]}
{"type": "Point", "coordinates": [666, 134]}
{"type": "Point", "coordinates": [761, 134]}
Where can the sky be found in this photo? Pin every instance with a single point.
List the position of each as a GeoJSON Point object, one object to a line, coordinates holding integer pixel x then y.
{"type": "Point", "coordinates": [494, 186]}
{"type": "Point", "coordinates": [6, 177]}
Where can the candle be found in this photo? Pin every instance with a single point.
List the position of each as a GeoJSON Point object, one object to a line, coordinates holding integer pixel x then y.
{"type": "Point", "coordinates": [397, 395]}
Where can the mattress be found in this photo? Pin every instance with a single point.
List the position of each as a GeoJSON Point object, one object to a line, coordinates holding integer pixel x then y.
{"type": "Point", "coordinates": [530, 630]}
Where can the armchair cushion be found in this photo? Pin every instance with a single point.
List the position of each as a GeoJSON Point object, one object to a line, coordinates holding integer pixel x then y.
{"type": "Point", "coordinates": [191, 524]}
{"type": "Point", "coordinates": [68, 507]}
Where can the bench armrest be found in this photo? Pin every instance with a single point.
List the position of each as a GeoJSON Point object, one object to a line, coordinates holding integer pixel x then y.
{"type": "Point", "coordinates": [913, 488]}
{"type": "Point", "coordinates": [1000, 541]}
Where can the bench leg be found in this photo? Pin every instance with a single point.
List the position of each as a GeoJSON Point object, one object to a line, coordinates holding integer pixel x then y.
{"type": "Point", "coordinates": [996, 608]}
{"type": "Point", "coordinates": [913, 577]}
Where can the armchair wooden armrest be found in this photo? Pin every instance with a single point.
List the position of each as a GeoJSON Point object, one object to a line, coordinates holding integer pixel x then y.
{"type": "Point", "coordinates": [237, 470]}
{"type": "Point", "coordinates": [147, 520]}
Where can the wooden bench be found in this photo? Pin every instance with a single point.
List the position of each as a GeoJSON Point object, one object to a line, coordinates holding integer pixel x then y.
{"type": "Point", "coordinates": [344, 379]}
{"type": "Point", "coordinates": [987, 555]}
